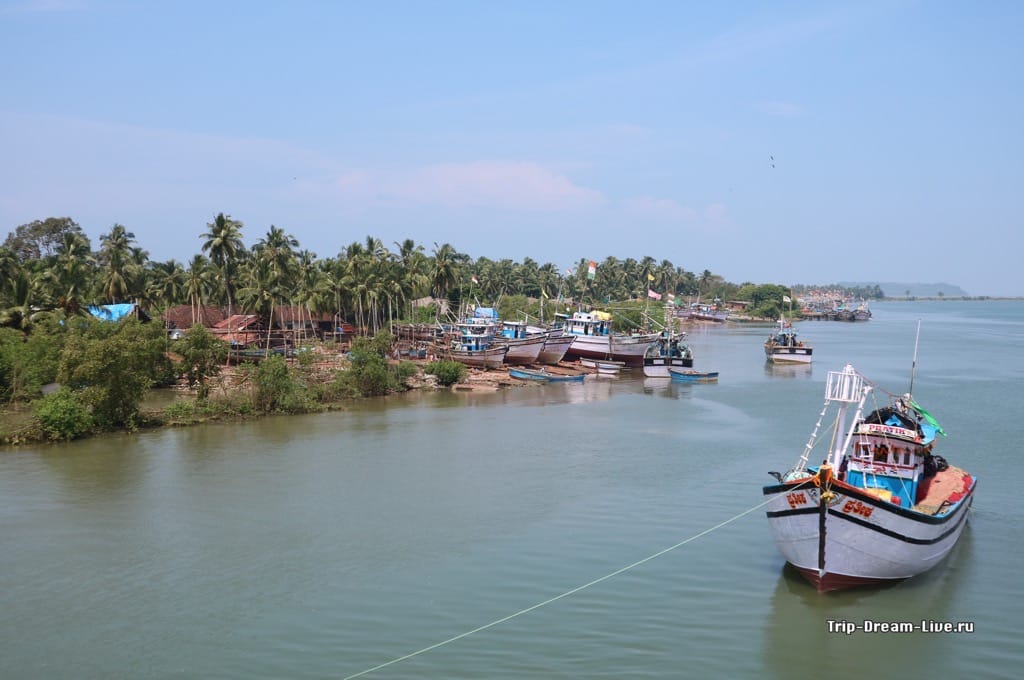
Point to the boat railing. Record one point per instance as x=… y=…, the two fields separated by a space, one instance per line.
x=844 y=386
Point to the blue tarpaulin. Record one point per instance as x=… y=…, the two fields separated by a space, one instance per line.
x=112 y=312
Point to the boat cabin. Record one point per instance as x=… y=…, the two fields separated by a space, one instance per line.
x=891 y=454
x=589 y=323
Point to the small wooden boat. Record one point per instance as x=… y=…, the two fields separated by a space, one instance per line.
x=544 y=375
x=689 y=375
x=528 y=374
x=603 y=366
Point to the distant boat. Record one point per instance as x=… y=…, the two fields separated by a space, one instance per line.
x=703 y=312
x=688 y=375
x=670 y=351
x=881 y=507
x=783 y=346
x=595 y=339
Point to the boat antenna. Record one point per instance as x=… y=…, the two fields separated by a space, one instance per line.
x=913 y=364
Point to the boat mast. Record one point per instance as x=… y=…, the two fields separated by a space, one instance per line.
x=846 y=387
x=913 y=364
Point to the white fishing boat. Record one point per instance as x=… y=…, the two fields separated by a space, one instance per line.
x=783 y=346
x=670 y=351
x=881 y=507
x=595 y=339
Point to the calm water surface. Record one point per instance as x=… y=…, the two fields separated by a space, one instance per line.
x=322 y=546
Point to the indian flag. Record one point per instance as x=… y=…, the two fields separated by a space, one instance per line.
x=592 y=270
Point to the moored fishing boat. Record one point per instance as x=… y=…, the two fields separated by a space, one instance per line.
x=670 y=351
x=881 y=507
x=783 y=346
x=595 y=339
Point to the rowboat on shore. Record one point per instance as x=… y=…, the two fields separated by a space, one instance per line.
x=544 y=375
x=604 y=366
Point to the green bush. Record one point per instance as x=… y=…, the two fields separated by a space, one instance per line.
x=274 y=386
x=63 y=415
x=447 y=372
x=406 y=370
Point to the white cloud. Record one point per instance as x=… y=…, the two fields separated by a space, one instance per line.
x=660 y=209
x=505 y=185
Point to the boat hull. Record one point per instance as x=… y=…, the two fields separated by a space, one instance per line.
x=627 y=348
x=554 y=349
x=788 y=355
x=528 y=374
x=480 y=358
x=522 y=351
x=658 y=367
x=859 y=539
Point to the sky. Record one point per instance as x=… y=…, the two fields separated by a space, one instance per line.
x=767 y=142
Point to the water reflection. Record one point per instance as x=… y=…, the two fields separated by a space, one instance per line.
x=798 y=625
x=775 y=370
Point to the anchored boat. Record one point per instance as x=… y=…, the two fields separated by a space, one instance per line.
x=881 y=506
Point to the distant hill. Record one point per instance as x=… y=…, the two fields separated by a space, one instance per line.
x=898 y=290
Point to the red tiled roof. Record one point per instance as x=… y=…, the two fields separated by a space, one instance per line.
x=181 y=316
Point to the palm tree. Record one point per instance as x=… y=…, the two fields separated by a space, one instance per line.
x=119 y=262
x=199 y=280
x=71 y=272
x=167 y=283
x=444 y=273
x=224 y=245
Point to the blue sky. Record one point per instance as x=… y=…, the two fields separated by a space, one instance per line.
x=771 y=142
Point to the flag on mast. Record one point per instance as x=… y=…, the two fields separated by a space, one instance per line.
x=652 y=294
x=592 y=270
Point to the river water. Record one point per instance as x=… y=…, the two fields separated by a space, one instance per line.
x=324 y=546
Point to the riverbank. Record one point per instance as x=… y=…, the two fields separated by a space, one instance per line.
x=231 y=396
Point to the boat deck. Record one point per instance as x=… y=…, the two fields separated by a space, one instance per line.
x=944 y=488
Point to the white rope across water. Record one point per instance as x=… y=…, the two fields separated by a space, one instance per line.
x=565 y=594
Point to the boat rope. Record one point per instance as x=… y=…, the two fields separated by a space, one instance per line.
x=574 y=590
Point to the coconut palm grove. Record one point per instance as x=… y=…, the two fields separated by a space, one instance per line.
x=67 y=374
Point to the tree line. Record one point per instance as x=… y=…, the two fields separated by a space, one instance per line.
x=49 y=267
